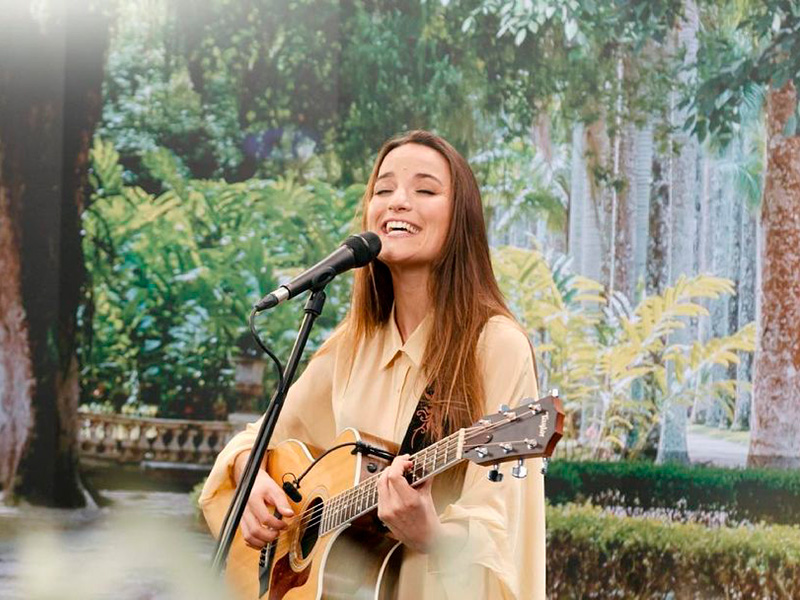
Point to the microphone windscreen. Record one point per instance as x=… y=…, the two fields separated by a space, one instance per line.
x=365 y=246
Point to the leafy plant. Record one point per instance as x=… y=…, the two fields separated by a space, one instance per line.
x=615 y=358
x=754 y=495
x=591 y=552
x=173 y=277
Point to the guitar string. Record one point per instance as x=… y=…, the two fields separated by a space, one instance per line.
x=342 y=502
x=281 y=546
x=366 y=487
x=365 y=490
x=347 y=499
x=351 y=499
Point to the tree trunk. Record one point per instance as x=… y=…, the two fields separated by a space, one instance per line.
x=657 y=273
x=746 y=313
x=626 y=234
x=51 y=75
x=593 y=244
x=16 y=377
x=775 y=438
x=683 y=228
x=722 y=249
x=641 y=190
x=577 y=197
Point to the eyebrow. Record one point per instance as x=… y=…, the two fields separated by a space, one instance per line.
x=416 y=176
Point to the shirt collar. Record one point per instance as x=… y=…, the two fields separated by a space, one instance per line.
x=414 y=347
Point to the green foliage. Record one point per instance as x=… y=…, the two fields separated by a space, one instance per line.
x=579 y=47
x=258 y=88
x=405 y=67
x=737 y=62
x=173 y=277
x=518 y=180
x=150 y=101
x=594 y=350
x=595 y=555
x=754 y=495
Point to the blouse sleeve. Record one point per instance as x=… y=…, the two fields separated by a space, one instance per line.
x=505 y=520
x=309 y=395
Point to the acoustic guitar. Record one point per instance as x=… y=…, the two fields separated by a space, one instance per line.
x=334 y=546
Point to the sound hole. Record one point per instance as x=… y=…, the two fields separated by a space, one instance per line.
x=311 y=532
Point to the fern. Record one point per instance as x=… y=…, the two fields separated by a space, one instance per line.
x=596 y=351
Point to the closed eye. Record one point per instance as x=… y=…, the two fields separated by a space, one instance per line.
x=383 y=192
x=427 y=192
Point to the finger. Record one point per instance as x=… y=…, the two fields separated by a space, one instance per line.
x=274 y=522
x=400 y=489
x=401 y=463
x=254 y=534
x=265 y=514
x=383 y=495
x=260 y=509
x=277 y=498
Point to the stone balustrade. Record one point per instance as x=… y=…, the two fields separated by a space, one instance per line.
x=135 y=440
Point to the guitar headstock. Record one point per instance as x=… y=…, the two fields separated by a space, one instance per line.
x=530 y=430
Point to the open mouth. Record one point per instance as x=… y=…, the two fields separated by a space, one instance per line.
x=400 y=228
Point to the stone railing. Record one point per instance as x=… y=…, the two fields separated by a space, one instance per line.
x=135 y=440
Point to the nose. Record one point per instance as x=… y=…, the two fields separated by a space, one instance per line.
x=399 y=201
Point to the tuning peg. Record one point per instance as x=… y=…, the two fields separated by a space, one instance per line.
x=504 y=408
x=519 y=470
x=494 y=473
x=482 y=452
x=545 y=464
x=554 y=392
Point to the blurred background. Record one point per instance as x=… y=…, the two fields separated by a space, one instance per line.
x=165 y=163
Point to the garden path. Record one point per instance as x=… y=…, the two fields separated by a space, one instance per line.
x=710 y=446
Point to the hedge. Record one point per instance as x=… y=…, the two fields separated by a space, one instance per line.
x=754 y=495
x=591 y=554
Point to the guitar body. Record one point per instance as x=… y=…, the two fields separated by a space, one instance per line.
x=341 y=552
x=356 y=561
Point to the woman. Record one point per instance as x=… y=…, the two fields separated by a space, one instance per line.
x=428 y=337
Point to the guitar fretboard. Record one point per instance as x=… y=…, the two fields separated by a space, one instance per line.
x=363 y=498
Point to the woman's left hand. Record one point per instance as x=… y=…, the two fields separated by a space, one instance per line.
x=408 y=512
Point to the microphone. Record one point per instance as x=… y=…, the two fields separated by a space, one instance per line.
x=356 y=251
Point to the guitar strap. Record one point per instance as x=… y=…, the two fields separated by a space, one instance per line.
x=417 y=434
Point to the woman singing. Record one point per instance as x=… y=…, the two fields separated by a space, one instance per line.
x=428 y=347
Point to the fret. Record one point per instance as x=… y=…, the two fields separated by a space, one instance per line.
x=348 y=505
x=358 y=500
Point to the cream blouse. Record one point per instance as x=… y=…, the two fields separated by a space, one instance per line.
x=377 y=393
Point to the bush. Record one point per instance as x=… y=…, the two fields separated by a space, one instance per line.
x=172 y=279
x=595 y=555
x=755 y=495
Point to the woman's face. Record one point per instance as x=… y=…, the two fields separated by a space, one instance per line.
x=411 y=206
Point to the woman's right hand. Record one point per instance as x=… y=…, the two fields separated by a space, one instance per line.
x=259 y=524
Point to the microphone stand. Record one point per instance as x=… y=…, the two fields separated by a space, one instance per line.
x=312 y=310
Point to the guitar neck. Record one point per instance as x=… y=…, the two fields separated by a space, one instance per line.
x=363 y=498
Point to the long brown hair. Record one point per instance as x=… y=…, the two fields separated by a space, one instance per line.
x=464 y=291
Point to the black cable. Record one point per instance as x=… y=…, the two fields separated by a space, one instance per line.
x=275 y=359
x=359 y=447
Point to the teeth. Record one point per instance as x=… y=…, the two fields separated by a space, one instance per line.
x=395 y=225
